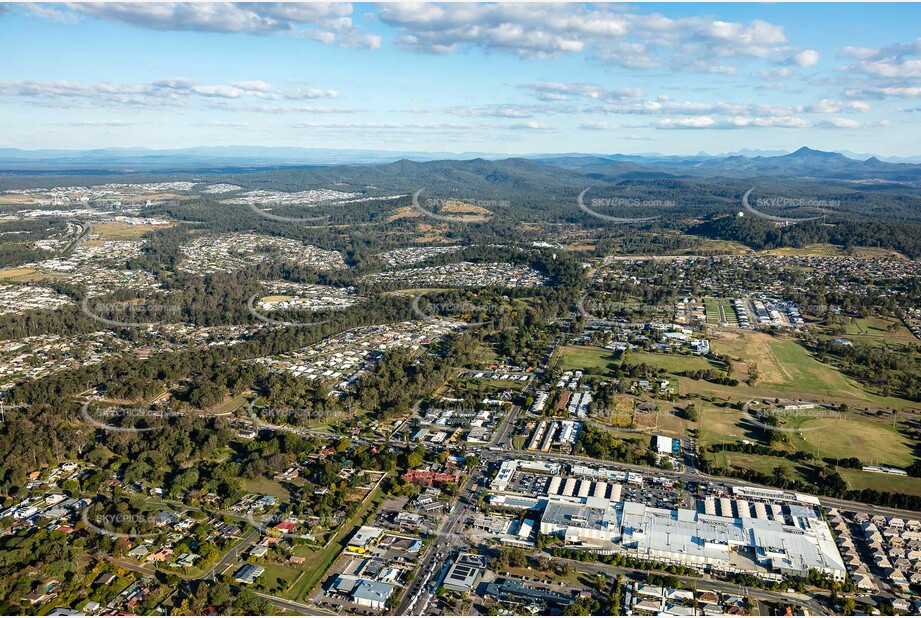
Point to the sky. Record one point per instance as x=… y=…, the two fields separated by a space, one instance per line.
x=495 y=78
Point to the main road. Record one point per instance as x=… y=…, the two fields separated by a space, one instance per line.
x=697 y=477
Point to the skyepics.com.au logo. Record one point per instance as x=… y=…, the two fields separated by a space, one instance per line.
x=293 y=420
x=265 y=210
x=787 y=203
x=124 y=525
x=278 y=527
x=254 y=309
x=770 y=419
x=473 y=314
x=130 y=314
x=603 y=203
x=124 y=420
x=457 y=210
x=602 y=310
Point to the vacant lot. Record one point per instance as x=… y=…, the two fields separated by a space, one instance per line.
x=600 y=362
x=787 y=370
x=595 y=361
x=115 y=230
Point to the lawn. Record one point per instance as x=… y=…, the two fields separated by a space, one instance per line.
x=712 y=307
x=268 y=487
x=277 y=573
x=723 y=425
x=732 y=317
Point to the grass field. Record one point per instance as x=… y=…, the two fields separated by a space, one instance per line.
x=787 y=370
x=279 y=575
x=23 y=275
x=115 y=230
x=268 y=487
x=764 y=464
x=673 y=363
x=858 y=479
x=869 y=440
x=878 y=328
x=597 y=361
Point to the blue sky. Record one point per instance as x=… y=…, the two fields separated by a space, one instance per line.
x=511 y=78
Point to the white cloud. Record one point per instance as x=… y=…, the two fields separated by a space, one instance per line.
x=496 y=111
x=565 y=91
x=530 y=126
x=891 y=71
x=805 y=58
x=51 y=14
x=327 y=22
x=843 y=123
x=827 y=106
x=159 y=93
x=613 y=34
x=699 y=122
x=601 y=126
x=857 y=53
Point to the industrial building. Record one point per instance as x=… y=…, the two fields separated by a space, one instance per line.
x=364 y=592
x=699 y=540
x=248 y=573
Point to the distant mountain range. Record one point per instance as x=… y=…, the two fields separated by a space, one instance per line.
x=805 y=163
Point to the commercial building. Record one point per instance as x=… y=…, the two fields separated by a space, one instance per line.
x=363 y=539
x=698 y=540
x=363 y=592
x=465 y=573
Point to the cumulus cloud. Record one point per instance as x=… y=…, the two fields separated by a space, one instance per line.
x=805 y=58
x=700 y=122
x=891 y=71
x=827 y=106
x=613 y=35
x=328 y=22
x=49 y=13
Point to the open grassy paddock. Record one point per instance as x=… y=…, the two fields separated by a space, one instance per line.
x=600 y=362
x=870 y=440
x=789 y=371
x=858 y=479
